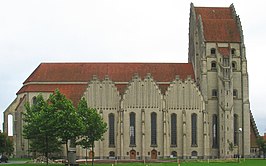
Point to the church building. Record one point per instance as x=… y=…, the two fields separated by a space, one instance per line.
x=160 y=110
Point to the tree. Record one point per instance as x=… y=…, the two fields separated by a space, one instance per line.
x=39 y=128
x=262 y=146
x=6 y=144
x=68 y=124
x=93 y=126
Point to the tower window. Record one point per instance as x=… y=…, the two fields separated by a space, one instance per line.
x=213 y=65
x=214 y=93
x=213 y=51
x=235 y=93
x=226 y=62
x=194 y=129
x=111 y=130
x=233 y=51
x=234 y=66
x=153 y=129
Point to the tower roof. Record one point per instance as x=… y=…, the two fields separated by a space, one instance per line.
x=219 y=24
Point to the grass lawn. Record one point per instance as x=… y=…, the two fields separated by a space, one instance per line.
x=248 y=162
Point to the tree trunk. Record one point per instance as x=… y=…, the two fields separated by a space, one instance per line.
x=67 y=152
x=86 y=156
x=92 y=161
x=46 y=149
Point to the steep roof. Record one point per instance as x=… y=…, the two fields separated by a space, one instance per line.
x=218 y=24
x=118 y=72
x=72 y=78
x=71 y=91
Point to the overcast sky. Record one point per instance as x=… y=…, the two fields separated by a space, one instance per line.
x=35 y=31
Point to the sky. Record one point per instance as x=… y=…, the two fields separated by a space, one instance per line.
x=36 y=31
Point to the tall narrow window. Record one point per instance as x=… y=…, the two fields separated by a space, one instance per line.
x=226 y=62
x=173 y=130
x=236 y=129
x=235 y=93
x=214 y=131
x=34 y=100
x=213 y=51
x=111 y=130
x=194 y=129
x=10 y=127
x=153 y=129
x=132 y=129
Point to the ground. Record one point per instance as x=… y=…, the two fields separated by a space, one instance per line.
x=247 y=162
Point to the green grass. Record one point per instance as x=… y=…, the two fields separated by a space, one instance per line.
x=248 y=162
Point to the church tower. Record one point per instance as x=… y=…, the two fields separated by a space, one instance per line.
x=217 y=52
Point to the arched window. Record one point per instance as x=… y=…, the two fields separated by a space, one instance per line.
x=214 y=131
x=233 y=51
x=213 y=51
x=132 y=129
x=111 y=130
x=194 y=153
x=194 y=129
x=34 y=100
x=213 y=66
x=10 y=127
x=236 y=127
x=173 y=130
x=234 y=65
x=153 y=129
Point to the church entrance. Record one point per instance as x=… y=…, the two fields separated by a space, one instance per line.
x=153 y=154
x=132 y=154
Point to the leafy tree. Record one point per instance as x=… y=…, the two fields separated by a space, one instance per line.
x=93 y=126
x=262 y=146
x=39 y=128
x=68 y=124
x=6 y=144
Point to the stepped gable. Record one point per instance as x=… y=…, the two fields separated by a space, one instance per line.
x=72 y=78
x=218 y=24
x=254 y=133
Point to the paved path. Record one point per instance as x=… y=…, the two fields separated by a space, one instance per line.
x=13 y=162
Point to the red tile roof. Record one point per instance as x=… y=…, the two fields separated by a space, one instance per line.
x=74 y=92
x=225 y=51
x=76 y=75
x=214 y=12
x=118 y=72
x=218 y=24
x=221 y=31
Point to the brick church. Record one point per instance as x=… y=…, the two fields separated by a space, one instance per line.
x=161 y=110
